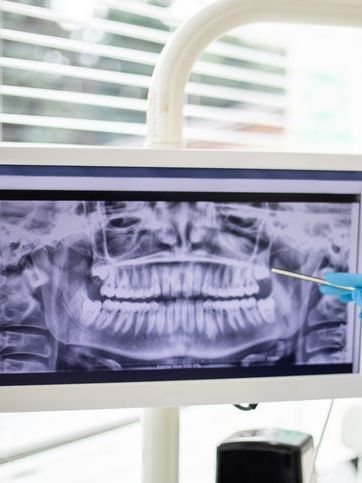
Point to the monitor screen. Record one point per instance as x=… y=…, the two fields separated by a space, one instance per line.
x=150 y=274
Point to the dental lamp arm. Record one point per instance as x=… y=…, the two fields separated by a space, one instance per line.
x=166 y=94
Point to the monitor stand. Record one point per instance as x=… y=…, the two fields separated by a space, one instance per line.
x=160 y=456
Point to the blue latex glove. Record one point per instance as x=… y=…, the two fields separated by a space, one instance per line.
x=348 y=279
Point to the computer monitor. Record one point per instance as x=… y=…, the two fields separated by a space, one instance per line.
x=142 y=278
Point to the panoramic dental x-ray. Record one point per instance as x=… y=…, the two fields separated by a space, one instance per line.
x=125 y=285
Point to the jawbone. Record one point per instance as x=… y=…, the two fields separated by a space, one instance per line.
x=167 y=309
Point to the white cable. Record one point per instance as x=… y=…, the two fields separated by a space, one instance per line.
x=316 y=453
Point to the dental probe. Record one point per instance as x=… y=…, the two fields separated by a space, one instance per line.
x=309 y=278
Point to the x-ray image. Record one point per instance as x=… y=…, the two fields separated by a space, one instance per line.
x=115 y=285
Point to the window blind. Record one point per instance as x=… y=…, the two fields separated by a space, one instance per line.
x=82 y=77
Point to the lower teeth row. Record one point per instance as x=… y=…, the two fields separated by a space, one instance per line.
x=209 y=317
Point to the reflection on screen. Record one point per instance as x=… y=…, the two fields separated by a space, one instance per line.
x=152 y=285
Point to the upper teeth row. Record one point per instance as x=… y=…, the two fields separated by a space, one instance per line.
x=179 y=281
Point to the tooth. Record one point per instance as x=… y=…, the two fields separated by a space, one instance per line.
x=187 y=280
x=197 y=279
x=141 y=282
x=170 y=317
x=244 y=303
x=176 y=282
x=100 y=271
x=121 y=316
x=214 y=278
x=218 y=276
x=206 y=282
x=232 y=316
x=123 y=280
x=251 y=288
x=147 y=322
x=237 y=276
x=124 y=284
x=118 y=322
x=130 y=277
x=177 y=315
x=252 y=312
x=219 y=319
x=133 y=279
x=146 y=293
x=191 y=313
x=251 y=302
x=256 y=316
x=131 y=309
x=261 y=271
x=200 y=316
x=240 y=317
x=127 y=322
x=216 y=304
x=103 y=318
x=227 y=278
x=155 y=282
x=168 y=273
x=115 y=281
x=245 y=285
x=187 y=322
x=246 y=307
x=145 y=277
x=221 y=292
x=161 y=318
x=165 y=281
x=211 y=329
x=119 y=293
x=139 y=319
x=108 y=305
x=237 y=286
x=110 y=309
x=191 y=281
x=90 y=311
x=162 y=279
x=267 y=309
x=182 y=280
x=110 y=283
x=151 y=317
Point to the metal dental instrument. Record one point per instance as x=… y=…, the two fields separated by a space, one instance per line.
x=309 y=278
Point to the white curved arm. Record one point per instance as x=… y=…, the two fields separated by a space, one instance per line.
x=166 y=94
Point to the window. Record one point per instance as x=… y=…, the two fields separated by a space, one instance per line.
x=78 y=73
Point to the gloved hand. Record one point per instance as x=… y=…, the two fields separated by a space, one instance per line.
x=346 y=279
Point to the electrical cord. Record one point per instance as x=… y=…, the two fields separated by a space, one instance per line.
x=248 y=407
x=310 y=479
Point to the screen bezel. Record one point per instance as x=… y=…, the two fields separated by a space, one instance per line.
x=175 y=393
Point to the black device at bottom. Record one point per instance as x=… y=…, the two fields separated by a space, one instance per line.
x=265 y=456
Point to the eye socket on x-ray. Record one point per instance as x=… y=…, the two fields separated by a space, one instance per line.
x=173 y=284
